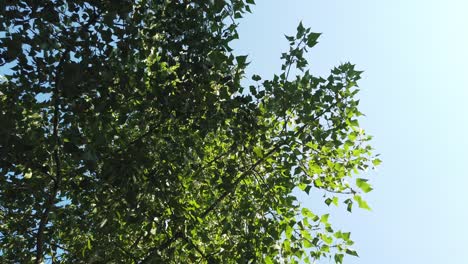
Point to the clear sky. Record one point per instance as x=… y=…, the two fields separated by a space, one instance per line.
x=415 y=97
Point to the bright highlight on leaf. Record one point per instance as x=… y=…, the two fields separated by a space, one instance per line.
x=258 y=151
x=28 y=174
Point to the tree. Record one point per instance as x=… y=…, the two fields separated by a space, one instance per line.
x=127 y=137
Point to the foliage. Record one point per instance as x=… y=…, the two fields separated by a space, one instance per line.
x=127 y=137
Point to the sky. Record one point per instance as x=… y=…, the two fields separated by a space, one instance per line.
x=414 y=94
x=415 y=97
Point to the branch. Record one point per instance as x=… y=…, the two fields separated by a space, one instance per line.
x=58 y=177
x=56 y=157
x=266 y=155
x=166 y=244
x=126 y=252
x=195 y=246
x=292 y=62
x=163 y=246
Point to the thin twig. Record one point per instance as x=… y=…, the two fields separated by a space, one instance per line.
x=48 y=205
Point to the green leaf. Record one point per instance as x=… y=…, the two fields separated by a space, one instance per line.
x=348 y=144
x=307 y=213
x=300 y=30
x=352 y=136
x=307 y=243
x=217 y=57
x=338 y=234
x=256 y=77
x=258 y=151
x=376 y=162
x=28 y=174
x=312 y=39
x=289 y=231
x=339 y=258
x=363 y=185
x=318 y=182
x=324 y=218
x=349 y=206
x=362 y=204
x=335 y=201
x=352 y=252
x=346 y=236
x=326 y=239
x=354 y=123
x=289 y=38
x=241 y=60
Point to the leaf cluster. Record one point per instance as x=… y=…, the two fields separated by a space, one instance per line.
x=127 y=136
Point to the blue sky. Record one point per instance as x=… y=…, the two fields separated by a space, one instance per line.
x=415 y=97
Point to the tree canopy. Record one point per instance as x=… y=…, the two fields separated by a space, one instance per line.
x=128 y=135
